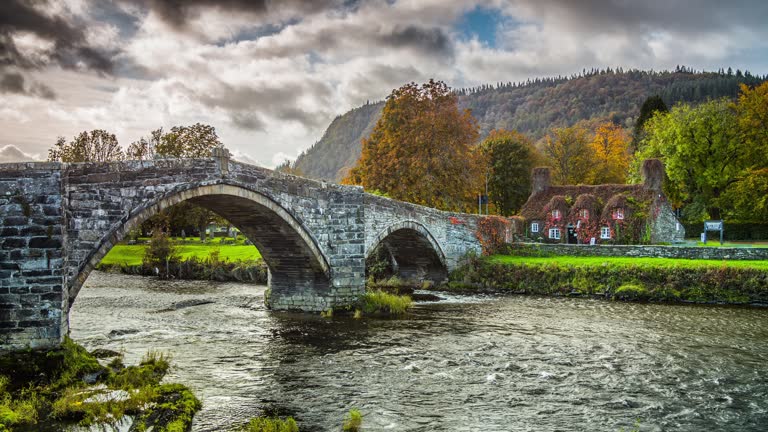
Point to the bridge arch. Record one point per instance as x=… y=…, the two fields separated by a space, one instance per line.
x=296 y=262
x=413 y=249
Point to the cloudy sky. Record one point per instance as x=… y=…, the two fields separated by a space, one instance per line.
x=271 y=75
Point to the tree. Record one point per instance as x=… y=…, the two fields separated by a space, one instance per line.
x=651 y=106
x=420 y=149
x=701 y=152
x=194 y=141
x=747 y=199
x=752 y=110
x=610 y=150
x=97 y=145
x=568 y=152
x=509 y=157
x=144 y=148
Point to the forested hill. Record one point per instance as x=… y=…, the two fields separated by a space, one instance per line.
x=533 y=107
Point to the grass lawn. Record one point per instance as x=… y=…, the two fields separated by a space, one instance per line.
x=132 y=255
x=716 y=243
x=625 y=261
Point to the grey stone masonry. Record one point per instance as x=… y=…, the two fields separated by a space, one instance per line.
x=57 y=221
x=652 y=251
x=32 y=293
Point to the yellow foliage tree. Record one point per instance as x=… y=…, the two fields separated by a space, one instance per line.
x=610 y=153
x=420 y=150
x=569 y=153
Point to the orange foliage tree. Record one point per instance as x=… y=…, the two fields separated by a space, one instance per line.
x=420 y=150
x=610 y=154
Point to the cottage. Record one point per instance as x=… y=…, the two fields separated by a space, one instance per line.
x=609 y=213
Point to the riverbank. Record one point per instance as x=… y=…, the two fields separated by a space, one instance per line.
x=68 y=386
x=221 y=260
x=638 y=279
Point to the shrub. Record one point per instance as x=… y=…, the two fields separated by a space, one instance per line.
x=353 y=421
x=631 y=291
x=492 y=233
x=160 y=253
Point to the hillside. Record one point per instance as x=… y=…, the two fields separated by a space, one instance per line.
x=533 y=107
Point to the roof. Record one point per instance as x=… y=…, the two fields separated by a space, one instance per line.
x=598 y=195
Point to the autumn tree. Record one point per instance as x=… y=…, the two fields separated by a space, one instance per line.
x=144 y=147
x=508 y=158
x=569 y=153
x=701 y=151
x=97 y=145
x=420 y=150
x=610 y=151
x=752 y=111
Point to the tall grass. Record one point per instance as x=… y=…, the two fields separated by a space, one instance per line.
x=379 y=302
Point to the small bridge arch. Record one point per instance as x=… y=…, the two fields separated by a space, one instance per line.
x=287 y=247
x=413 y=250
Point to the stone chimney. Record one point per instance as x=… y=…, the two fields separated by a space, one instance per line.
x=653 y=174
x=540 y=180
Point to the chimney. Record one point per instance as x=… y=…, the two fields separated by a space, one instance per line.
x=540 y=180
x=653 y=174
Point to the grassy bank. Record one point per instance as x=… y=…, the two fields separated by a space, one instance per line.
x=132 y=255
x=68 y=386
x=652 y=279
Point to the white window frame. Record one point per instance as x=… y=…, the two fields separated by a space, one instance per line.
x=535 y=227
x=618 y=213
x=605 y=233
x=556 y=214
x=554 y=233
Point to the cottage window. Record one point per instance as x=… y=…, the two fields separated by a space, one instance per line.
x=584 y=214
x=556 y=214
x=605 y=233
x=535 y=227
x=618 y=213
x=554 y=233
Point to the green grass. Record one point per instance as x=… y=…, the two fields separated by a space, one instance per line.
x=625 y=261
x=379 y=302
x=132 y=255
x=716 y=243
x=353 y=421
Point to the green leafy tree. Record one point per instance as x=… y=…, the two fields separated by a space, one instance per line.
x=194 y=141
x=97 y=145
x=420 y=150
x=701 y=151
x=509 y=157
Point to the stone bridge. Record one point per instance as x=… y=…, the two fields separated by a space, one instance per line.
x=57 y=221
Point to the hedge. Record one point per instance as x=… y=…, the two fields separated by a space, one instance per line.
x=714 y=284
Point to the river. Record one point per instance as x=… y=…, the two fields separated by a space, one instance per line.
x=468 y=363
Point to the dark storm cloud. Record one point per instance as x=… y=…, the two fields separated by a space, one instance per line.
x=692 y=16
x=14 y=83
x=428 y=40
x=70 y=46
x=177 y=13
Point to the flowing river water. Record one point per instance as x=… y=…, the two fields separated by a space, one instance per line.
x=467 y=363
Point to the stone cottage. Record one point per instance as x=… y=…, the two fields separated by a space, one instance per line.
x=608 y=213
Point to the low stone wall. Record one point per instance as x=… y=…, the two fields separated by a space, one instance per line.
x=647 y=251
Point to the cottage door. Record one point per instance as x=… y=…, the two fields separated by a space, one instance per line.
x=572 y=235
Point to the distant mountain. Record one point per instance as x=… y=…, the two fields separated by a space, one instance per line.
x=535 y=106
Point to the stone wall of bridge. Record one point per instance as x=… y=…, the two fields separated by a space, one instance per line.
x=452 y=234
x=32 y=293
x=57 y=221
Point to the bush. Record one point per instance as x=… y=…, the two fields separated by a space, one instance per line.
x=160 y=253
x=631 y=291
